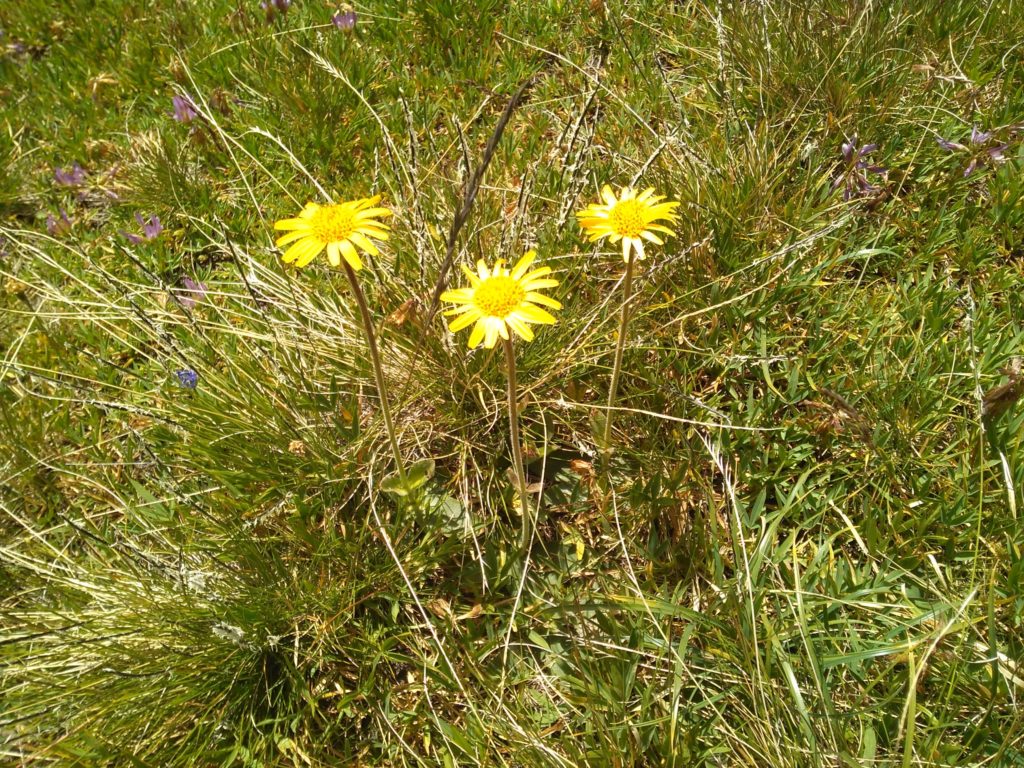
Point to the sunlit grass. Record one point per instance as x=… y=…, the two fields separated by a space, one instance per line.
x=805 y=550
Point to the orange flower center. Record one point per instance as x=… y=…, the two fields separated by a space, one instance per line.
x=627 y=218
x=333 y=223
x=499 y=296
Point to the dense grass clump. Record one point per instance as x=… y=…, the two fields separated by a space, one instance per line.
x=805 y=548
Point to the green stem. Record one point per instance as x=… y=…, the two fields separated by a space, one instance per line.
x=620 y=346
x=517 y=450
x=378 y=371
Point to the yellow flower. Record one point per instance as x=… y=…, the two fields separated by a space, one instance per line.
x=629 y=217
x=340 y=228
x=502 y=298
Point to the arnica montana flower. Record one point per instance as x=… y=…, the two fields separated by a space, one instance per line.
x=502 y=298
x=630 y=217
x=341 y=228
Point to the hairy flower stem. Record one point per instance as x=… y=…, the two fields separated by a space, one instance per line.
x=517 y=449
x=620 y=346
x=378 y=371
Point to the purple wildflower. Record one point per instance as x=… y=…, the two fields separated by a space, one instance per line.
x=272 y=7
x=344 y=20
x=187 y=378
x=996 y=153
x=58 y=227
x=151 y=227
x=982 y=154
x=72 y=177
x=854 y=178
x=184 y=109
x=950 y=146
x=979 y=137
x=194 y=292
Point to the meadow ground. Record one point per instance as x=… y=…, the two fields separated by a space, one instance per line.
x=806 y=549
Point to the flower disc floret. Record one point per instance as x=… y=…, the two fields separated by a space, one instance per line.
x=499 y=296
x=629 y=217
x=343 y=229
x=500 y=299
x=333 y=223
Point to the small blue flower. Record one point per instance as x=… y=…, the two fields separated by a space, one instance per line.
x=187 y=378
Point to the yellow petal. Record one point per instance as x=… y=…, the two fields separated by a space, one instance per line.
x=523 y=264
x=350 y=254
x=458 y=295
x=478 y=333
x=534 y=285
x=464 y=321
x=296 y=250
x=291 y=224
x=521 y=328
x=376 y=234
x=314 y=250
x=490 y=332
x=540 y=298
x=662 y=211
x=289 y=237
x=608 y=195
x=458 y=310
x=333 y=254
x=534 y=315
x=539 y=272
x=363 y=242
x=660 y=228
x=372 y=213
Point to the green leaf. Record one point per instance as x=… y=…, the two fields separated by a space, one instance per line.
x=415 y=477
